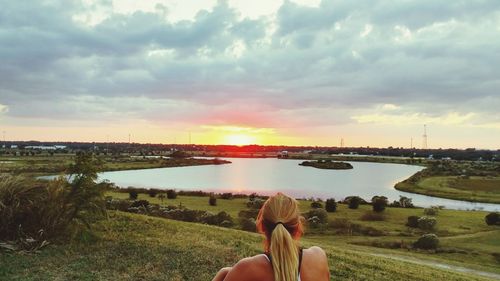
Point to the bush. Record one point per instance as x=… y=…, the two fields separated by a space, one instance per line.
x=370 y=216
x=331 y=205
x=427 y=223
x=140 y=203
x=161 y=196
x=354 y=202
x=152 y=193
x=227 y=195
x=316 y=205
x=248 y=224
x=492 y=219
x=321 y=215
x=412 y=221
x=379 y=203
x=171 y=194
x=433 y=211
x=256 y=203
x=31 y=212
x=249 y=214
x=133 y=194
x=427 y=242
x=340 y=224
x=212 y=200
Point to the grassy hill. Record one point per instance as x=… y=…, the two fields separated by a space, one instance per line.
x=136 y=247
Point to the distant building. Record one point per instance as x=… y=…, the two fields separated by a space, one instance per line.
x=283 y=154
x=45 y=147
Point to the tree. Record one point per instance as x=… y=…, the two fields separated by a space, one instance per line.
x=379 y=203
x=354 y=202
x=331 y=205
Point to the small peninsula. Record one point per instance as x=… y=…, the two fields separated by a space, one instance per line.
x=327 y=164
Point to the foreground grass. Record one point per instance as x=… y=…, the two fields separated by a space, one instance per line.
x=454 y=228
x=135 y=247
x=474 y=189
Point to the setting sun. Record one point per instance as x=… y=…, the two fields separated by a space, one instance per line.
x=239 y=139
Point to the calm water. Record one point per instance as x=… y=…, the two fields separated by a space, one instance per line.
x=267 y=176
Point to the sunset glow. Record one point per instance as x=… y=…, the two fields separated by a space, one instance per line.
x=239 y=139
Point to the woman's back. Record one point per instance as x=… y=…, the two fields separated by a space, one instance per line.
x=314 y=267
x=280 y=222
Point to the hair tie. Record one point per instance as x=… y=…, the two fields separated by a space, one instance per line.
x=280 y=223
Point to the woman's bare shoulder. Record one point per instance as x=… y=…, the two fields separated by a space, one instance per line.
x=315 y=250
x=251 y=268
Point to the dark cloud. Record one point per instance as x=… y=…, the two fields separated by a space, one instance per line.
x=353 y=55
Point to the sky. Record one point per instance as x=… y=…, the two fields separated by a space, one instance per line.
x=304 y=72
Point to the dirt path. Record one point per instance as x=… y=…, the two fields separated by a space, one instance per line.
x=435 y=264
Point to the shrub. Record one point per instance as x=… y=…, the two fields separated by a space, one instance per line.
x=249 y=214
x=370 y=216
x=331 y=205
x=171 y=194
x=152 y=193
x=412 y=221
x=492 y=219
x=354 y=202
x=433 y=211
x=133 y=194
x=496 y=256
x=31 y=212
x=161 y=196
x=316 y=205
x=226 y=195
x=116 y=204
x=212 y=200
x=427 y=223
x=379 y=203
x=340 y=224
x=257 y=203
x=321 y=214
x=427 y=242
x=248 y=224
x=140 y=203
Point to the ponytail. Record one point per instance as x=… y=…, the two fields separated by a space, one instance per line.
x=284 y=253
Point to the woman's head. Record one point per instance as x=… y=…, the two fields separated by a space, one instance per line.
x=280 y=209
x=280 y=221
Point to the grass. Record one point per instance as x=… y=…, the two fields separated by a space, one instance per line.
x=135 y=247
x=45 y=164
x=451 y=224
x=475 y=189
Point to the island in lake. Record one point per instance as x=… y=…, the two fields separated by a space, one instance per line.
x=327 y=164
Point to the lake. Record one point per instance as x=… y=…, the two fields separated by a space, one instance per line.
x=270 y=175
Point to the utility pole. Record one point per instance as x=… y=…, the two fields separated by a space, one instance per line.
x=424 y=138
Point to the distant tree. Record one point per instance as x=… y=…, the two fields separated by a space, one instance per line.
x=133 y=194
x=354 y=202
x=331 y=205
x=405 y=202
x=179 y=154
x=152 y=192
x=492 y=219
x=161 y=196
x=316 y=205
x=171 y=194
x=379 y=203
x=212 y=200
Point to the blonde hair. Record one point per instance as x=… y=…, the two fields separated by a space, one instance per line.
x=280 y=221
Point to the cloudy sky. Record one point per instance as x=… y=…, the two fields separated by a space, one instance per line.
x=302 y=72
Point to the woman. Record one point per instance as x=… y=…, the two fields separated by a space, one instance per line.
x=280 y=221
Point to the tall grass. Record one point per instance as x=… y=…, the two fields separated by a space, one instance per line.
x=35 y=211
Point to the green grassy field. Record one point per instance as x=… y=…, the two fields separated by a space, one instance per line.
x=58 y=163
x=453 y=227
x=476 y=189
x=136 y=247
